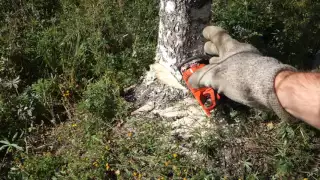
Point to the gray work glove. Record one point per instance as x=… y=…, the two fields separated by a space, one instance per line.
x=240 y=72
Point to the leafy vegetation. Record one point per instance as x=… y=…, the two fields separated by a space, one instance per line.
x=63 y=68
x=55 y=54
x=282 y=29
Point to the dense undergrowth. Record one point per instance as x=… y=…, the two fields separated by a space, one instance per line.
x=65 y=65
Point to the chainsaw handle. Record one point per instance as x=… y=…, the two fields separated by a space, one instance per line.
x=207 y=98
x=209 y=93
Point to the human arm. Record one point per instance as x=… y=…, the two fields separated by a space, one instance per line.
x=240 y=72
x=243 y=74
x=299 y=94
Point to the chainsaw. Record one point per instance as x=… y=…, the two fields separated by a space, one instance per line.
x=207 y=97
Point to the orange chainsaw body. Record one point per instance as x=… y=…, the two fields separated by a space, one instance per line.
x=207 y=97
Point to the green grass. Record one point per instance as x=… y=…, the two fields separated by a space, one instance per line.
x=140 y=148
x=64 y=65
x=145 y=148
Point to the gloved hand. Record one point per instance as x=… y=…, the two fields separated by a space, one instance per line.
x=240 y=72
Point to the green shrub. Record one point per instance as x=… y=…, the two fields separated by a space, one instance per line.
x=282 y=29
x=102 y=98
x=50 y=50
x=50 y=47
x=42 y=167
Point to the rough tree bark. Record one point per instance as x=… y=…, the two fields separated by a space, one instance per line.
x=180 y=36
x=180 y=25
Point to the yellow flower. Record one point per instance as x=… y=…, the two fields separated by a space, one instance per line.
x=95 y=164
x=305 y=178
x=270 y=125
x=167 y=163
x=74 y=125
x=66 y=93
x=135 y=174
x=139 y=176
x=107 y=167
x=129 y=134
x=184 y=178
x=175 y=155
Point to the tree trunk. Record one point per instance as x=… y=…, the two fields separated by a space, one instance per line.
x=180 y=27
x=161 y=92
x=180 y=36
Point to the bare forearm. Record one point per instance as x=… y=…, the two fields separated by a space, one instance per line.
x=299 y=94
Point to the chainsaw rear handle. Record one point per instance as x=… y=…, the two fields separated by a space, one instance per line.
x=207 y=97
